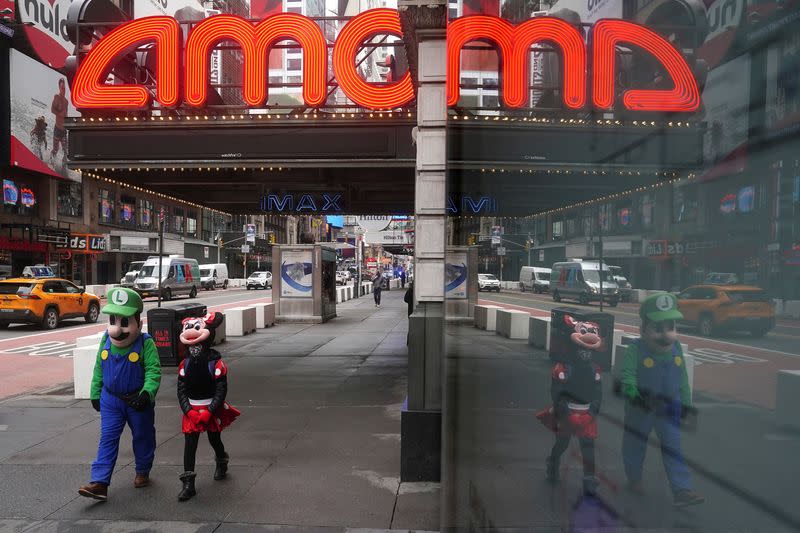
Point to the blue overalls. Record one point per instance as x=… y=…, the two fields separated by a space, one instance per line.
x=123 y=374
x=662 y=378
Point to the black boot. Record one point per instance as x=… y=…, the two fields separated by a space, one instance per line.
x=590 y=485
x=222 y=467
x=188 y=486
x=552 y=470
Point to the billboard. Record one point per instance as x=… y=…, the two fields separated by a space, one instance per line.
x=40 y=101
x=726 y=98
x=297 y=274
x=45 y=27
x=180 y=9
x=456 y=275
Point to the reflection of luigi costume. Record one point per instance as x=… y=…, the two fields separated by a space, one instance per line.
x=657 y=389
x=125 y=382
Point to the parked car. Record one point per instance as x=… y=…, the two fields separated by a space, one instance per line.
x=721 y=278
x=580 y=280
x=259 y=280
x=179 y=275
x=133 y=272
x=714 y=308
x=535 y=279
x=45 y=301
x=214 y=275
x=488 y=282
x=341 y=277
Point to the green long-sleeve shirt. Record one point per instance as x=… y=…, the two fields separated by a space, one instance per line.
x=630 y=365
x=148 y=358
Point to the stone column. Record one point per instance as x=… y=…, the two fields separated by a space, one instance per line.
x=422 y=415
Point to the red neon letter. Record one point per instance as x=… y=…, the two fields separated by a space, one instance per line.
x=89 y=90
x=359 y=29
x=606 y=34
x=514 y=44
x=256 y=42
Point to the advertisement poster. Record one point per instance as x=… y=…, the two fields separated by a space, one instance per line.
x=726 y=98
x=40 y=101
x=45 y=27
x=456 y=274
x=296 y=274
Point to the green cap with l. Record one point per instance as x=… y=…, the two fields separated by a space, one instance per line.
x=123 y=302
x=659 y=307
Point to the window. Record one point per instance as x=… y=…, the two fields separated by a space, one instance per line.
x=106 y=206
x=558 y=229
x=127 y=211
x=177 y=219
x=207 y=226
x=145 y=214
x=646 y=210
x=572 y=227
x=191 y=224
x=70 y=198
x=293 y=64
x=18 y=198
x=491 y=100
x=275 y=80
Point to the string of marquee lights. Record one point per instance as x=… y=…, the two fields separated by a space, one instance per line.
x=577 y=122
x=254 y=117
x=148 y=191
x=587 y=203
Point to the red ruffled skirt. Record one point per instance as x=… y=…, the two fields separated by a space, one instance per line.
x=223 y=418
x=579 y=423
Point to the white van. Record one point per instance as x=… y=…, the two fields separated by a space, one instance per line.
x=214 y=275
x=580 y=280
x=179 y=275
x=536 y=279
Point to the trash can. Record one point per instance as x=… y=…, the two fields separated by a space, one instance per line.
x=164 y=325
x=573 y=330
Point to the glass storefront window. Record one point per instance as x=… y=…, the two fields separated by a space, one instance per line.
x=105 y=206
x=191 y=224
x=127 y=211
x=145 y=214
x=177 y=220
x=70 y=198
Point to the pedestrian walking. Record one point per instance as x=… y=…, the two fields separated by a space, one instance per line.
x=202 y=391
x=403 y=278
x=576 y=391
x=127 y=374
x=656 y=388
x=377 y=287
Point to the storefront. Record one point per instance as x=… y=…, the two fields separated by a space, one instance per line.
x=78 y=258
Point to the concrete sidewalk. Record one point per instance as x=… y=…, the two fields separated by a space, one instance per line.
x=494 y=466
x=317 y=446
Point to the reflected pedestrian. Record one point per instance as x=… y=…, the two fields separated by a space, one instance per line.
x=656 y=388
x=403 y=278
x=377 y=287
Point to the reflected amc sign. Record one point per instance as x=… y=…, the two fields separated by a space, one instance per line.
x=182 y=69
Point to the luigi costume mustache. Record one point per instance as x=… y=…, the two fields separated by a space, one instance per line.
x=127 y=374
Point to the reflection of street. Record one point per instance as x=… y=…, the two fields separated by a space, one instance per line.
x=735 y=366
x=32 y=359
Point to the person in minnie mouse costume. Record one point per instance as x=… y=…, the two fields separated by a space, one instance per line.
x=202 y=388
x=576 y=392
x=127 y=374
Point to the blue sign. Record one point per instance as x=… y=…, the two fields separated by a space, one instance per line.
x=304 y=203
x=470 y=205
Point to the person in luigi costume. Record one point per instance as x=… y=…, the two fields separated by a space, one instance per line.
x=656 y=388
x=127 y=374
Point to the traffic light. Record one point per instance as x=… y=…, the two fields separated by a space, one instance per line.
x=272 y=238
x=471 y=240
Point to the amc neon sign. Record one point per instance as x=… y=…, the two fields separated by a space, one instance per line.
x=188 y=62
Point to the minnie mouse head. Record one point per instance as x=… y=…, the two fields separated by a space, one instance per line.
x=199 y=331
x=585 y=334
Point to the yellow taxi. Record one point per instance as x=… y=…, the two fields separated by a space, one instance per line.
x=713 y=308
x=45 y=302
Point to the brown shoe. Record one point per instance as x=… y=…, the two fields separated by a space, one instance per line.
x=97 y=491
x=141 y=480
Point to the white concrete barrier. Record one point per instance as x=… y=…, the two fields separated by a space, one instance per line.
x=220 y=334
x=512 y=324
x=269 y=315
x=240 y=321
x=97 y=290
x=539 y=332
x=777 y=304
x=787 y=398
x=349 y=291
x=83 y=359
x=486 y=317
x=339 y=295
x=261 y=315
x=791 y=308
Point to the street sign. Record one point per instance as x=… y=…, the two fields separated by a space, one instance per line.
x=250 y=233
x=501 y=250
x=497 y=232
x=245 y=248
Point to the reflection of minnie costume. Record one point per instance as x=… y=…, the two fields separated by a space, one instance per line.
x=576 y=391
x=202 y=388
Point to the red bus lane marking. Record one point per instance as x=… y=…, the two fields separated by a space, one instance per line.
x=746 y=375
x=30 y=366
